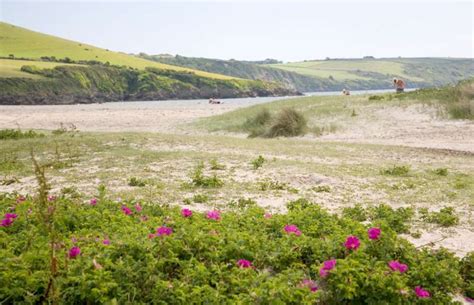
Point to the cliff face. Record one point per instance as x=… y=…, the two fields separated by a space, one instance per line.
x=102 y=83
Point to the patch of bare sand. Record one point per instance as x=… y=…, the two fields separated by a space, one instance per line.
x=109 y=117
x=415 y=126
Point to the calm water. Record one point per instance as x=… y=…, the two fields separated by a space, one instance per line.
x=242 y=102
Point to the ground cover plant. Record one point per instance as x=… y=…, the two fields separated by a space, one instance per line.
x=60 y=249
x=445 y=217
x=7 y=134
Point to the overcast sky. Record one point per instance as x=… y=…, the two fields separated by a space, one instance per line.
x=287 y=31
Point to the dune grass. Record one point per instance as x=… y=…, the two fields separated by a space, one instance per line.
x=330 y=109
x=23 y=43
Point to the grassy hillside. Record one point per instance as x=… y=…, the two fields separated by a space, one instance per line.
x=241 y=69
x=418 y=72
x=23 y=43
x=334 y=75
x=67 y=84
x=12 y=68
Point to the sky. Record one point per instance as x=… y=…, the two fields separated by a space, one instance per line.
x=255 y=30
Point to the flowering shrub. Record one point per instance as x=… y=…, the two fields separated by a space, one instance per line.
x=105 y=256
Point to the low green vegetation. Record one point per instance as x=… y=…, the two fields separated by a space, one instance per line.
x=467 y=273
x=200 y=180
x=322 y=189
x=101 y=251
x=442 y=171
x=396 y=170
x=398 y=219
x=200 y=198
x=15 y=134
x=215 y=165
x=258 y=162
x=134 y=181
x=446 y=217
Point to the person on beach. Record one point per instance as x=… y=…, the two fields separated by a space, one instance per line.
x=346 y=92
x=213 y=101
x=399 y=85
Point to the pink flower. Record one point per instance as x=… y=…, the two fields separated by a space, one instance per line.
x=20 y=199
x=243 y=263
x=106 y=242
x=214 y=214
x=421 y=293
x=138 y=208
x=469 y=300
x=267 y=215
x=144 y=218
x=126 y=210
x=397 y=266
x=186 y=213
x=74 y=252
x=150 y=236
x=292 y=229
x=161 y=231
x=6 y=222
x=352 y=243
x=51 y=198
x=374 y=233
x=311 y=285
x=93 y=201
x=8 y=219
x=327 y=266
x=74 y=240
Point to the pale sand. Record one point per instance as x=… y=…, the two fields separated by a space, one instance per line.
x=157 y=116
x=416 y=126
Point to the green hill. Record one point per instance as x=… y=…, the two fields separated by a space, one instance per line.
x=41 y=69
x=241 y=69
x=18 y=42
x=335 y=74
x=418 y=72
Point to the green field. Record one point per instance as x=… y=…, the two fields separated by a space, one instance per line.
x=341 y=69
x=418 y=70
x=12 y=68
x=23 y=43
